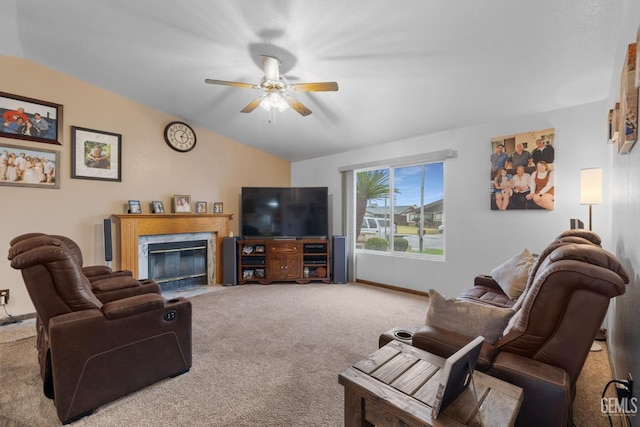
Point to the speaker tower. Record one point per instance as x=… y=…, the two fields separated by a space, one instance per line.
x=229 y=261
x=339 y=259
x=108 y=241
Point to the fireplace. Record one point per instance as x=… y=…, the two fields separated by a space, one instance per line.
x=134 y=229
x=178 y=261
x=178 y=265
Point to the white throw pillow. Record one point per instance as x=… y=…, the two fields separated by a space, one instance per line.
x=512 y=274
x=467 y=318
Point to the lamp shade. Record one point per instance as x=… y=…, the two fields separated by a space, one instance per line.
x=591 y=186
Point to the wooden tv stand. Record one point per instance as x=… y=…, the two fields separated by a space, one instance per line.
x=267 y=261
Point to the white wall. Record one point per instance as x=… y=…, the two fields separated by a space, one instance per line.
x=477 y=238
x=623 y=333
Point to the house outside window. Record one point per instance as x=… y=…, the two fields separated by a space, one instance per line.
x=400 y=210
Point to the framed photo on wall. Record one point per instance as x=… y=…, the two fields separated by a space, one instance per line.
x=96 y=154
x=181 y=203
x=628 y=125
x=29 y=167
x=32 y=119
x=523 y=171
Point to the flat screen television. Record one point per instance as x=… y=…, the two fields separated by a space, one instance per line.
x=284 y=212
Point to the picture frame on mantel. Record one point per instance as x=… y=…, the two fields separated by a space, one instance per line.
x=135 y=207
x=218 y=207
x=30 y=119
x=181 y=203
x=157 y=207
x=96 y=154
x=201 y=207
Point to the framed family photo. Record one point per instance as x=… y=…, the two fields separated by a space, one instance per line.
x=157 y=207
x=29 y=167
x=96 y=154
x=523 y=171
x=134 y=207
x=217 y=207
x=201 y=207
x=628 y=122
x=30 y=119
x=181 y=203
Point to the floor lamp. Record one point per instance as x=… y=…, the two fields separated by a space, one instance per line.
x=590 y=188
x=591 y=194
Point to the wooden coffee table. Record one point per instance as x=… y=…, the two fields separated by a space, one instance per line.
x=397 y=384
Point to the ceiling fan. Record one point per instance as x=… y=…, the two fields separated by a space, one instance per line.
x=276 y=90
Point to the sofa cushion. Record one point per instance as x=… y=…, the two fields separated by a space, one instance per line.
x=467 y=318
x=512 y=274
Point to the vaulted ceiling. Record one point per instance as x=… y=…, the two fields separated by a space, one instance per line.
x=404 y=68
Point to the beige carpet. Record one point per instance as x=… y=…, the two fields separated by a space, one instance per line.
x=262 y=356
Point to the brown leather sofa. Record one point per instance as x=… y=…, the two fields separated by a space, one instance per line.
x=487 y=291
x=94 y=352
x=547 y=341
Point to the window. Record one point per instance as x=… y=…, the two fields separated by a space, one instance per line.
x=400 y=210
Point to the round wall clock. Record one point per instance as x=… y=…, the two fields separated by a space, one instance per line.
x=180 y=136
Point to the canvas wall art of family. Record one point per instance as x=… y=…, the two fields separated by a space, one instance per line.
x=522 y=171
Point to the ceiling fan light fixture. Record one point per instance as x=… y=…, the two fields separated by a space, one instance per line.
x=276 y=90
x=274 y=101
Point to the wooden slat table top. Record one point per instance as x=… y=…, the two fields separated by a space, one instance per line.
x=402 y=380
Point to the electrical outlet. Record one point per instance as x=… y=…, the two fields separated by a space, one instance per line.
x=4 y=296
x=624 y=390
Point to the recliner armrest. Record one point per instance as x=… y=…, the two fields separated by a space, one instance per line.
x=547 y=400
x=119 y=309
x=96 y=270
x=100 y=272
x=488 y=282
x=444 y=343
x=113 y=283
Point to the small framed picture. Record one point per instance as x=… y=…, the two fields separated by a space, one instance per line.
x=181 y=203
x=201 y=207
x=134 y=207
x=259 y=249
x=157 y=206
x=217 y=207
x=259 y=272
x=247 y=274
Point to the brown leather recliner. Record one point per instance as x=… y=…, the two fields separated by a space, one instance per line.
x=107 y=285
x=548 y=339
x=96 y=352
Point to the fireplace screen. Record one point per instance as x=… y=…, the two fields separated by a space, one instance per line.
x=178 y=265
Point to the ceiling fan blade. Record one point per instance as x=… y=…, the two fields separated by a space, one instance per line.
x=297 y=105
x=253 y=104
x=236 y=84
x=271 y=67
x=314 y=87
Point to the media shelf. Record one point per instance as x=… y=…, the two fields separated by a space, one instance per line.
x=268 y=261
